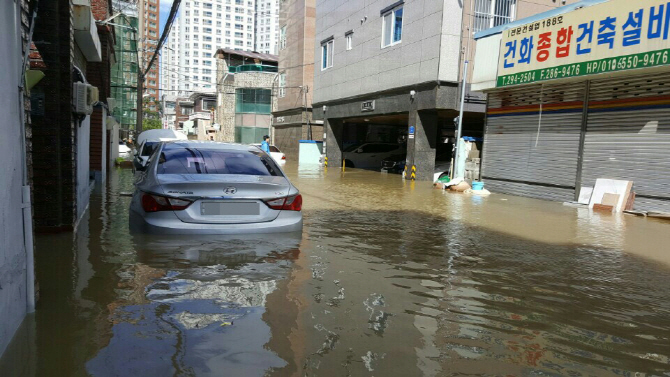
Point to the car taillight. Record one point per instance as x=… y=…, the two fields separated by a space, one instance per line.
x=283 y=157
x=291 y=203
x=155 y=203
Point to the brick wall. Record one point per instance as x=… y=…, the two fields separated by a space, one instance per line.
x=53 y=133
x=101 y=9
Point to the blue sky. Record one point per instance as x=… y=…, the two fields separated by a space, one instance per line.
x=165 y=6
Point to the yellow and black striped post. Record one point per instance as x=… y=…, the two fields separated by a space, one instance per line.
x=325 y=161
x=413 y=174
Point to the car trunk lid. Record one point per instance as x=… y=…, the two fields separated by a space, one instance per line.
x=225 y=199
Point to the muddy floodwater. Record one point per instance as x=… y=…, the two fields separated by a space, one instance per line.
x=388 y=278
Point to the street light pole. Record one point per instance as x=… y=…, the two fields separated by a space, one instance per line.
x=456 y=172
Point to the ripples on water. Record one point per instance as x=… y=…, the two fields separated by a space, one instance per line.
x=372 y=287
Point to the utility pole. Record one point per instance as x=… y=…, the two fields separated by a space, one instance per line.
x=140 y=100
x=141 y=74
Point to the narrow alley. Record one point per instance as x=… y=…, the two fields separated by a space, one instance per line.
x=389 y=277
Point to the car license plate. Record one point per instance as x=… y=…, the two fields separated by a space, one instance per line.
x=230 y=209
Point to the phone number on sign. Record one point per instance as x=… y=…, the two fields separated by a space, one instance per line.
x=642 y=60
x=542 y=74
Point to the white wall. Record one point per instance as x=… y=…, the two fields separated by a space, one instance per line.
x=83 y=169
x=12 y=252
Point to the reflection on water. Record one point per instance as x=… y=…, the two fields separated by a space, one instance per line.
x=388 y=278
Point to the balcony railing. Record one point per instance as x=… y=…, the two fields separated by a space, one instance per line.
x=252 y=68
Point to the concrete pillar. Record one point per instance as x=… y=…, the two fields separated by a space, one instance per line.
x=421 y=149
x=334 y=133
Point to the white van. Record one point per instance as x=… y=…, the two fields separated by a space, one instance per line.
x=147 y=141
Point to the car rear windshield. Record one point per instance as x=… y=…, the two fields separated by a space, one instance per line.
x=274 y=149
x=180 y=160
x=148 y=149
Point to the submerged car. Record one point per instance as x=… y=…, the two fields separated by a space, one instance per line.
x=148 y=140
x=397 y=162
x=275 y=153
x=370 y=155
x=191 y=187
x=124 y=151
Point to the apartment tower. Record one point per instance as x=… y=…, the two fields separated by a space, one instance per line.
x=149 y=34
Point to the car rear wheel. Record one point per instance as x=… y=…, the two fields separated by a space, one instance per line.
x=348 y=164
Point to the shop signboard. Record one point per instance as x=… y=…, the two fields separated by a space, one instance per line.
x=616 y=35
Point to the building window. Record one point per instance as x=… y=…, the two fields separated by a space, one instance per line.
x=253 y=100
x=392 y=27
x=327 y=55
x=492 y=13
x=282 y=85
x=208 y=104
x=282 y=38
x=349 y=40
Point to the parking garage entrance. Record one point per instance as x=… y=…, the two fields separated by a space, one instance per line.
x=382 y=142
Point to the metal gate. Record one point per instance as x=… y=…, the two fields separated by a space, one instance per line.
x=628 y=137
x=532 y=140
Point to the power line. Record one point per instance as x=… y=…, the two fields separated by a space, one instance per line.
x=166 y=31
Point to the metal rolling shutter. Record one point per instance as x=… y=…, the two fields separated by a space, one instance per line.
x=628 y=137
x=517 y=161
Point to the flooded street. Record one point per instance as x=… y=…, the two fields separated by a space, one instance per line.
x=388 y=278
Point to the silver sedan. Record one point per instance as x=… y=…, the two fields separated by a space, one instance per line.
x=190 y=187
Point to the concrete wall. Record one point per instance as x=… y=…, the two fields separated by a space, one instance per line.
x=429 y=50
x=12 y=253
x=83 y=170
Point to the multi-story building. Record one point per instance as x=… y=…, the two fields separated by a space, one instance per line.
x=199 y=124
x=292 y=119
x=267 y=26
x=184 y=108
x=244 y=95
x=391 y=72
x=205 y=26
x=169 y=114
x=170 y=71
x=149 y=11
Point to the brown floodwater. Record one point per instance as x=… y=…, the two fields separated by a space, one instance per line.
x=388 y=278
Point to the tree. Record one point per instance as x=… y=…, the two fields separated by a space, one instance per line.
x=151 y=119
x=151 y=124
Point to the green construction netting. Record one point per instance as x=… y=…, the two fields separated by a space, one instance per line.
x=124 y=72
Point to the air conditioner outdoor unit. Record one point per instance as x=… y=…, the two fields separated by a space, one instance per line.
x=83 y=97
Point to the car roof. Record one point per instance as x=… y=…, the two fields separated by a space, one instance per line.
x=211 y=145
x=160 y=135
